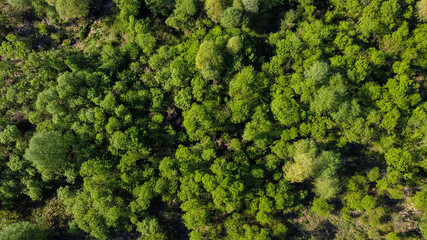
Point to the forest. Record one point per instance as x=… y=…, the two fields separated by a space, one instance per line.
x=213 y=119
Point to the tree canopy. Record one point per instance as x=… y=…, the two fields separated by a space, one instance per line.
x=213 y=119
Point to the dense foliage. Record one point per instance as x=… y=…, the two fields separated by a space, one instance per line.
x=213 y=119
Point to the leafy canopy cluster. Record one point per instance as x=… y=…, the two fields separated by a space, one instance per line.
x=213 y=119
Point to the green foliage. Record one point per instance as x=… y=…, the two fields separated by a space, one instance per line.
x=68 y=9
x=243 y=93
x=48 y=152
x=19 y=3
x=304 y=163
x=186 y=7
x=209 y=60
x=285 y=108
x=251 y=5
x=234 y=45
x=321 y=207
x=214 y=9
x=231 y=18
x=318 y=71
x=128 y=8
x=9 y=135
x=23 y=231
x=420 y=199
x=422 y=10
x=327 y=187
x=240 y=119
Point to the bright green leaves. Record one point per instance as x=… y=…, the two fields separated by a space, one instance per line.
x=327 y=99
x=186 y=7
x=96 y=209
x=9 y=135
x=285 y=108
x=20 y=4
x=398 y=159
x=420 y=199
x=260 y=130
x=244 y=94
x=389 y=12
x=128 y=8
x=150 y=229
x=198 y=122
x=321 y=207
x=390 y=120
x=357 y=194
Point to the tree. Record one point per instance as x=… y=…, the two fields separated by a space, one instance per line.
x=128 y=8
x=23 y=231
x=304 y=163
x=243 y=94
x=69 y=84
x=422 y=10
x=326 y=187
x=234 y=45
x=318 y=71
x=159 y=7
x=259 y=130
x=209 y=60
x=251 y=5
x=326 y=99
x=285 y=108
x=231 y=17
x=20 y=4
x=198 y=121
x=214 y=9
x=48 y=152
x=68 y=9
x=185 y=7
x=321 y=207
x=420 y=199
x=150 y=229
x=9 y=134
